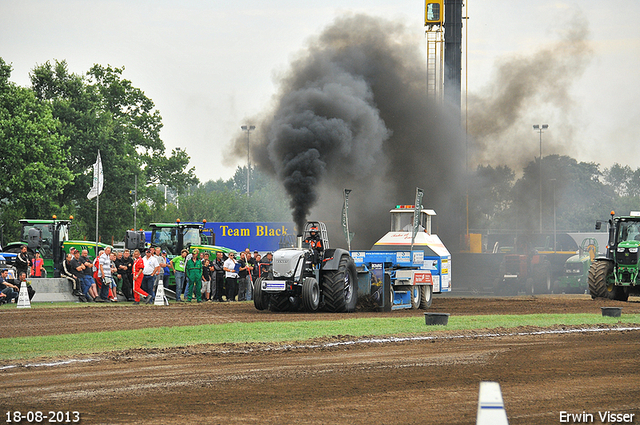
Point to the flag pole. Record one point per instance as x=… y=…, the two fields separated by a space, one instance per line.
x=97 y=208
x=416 y=217
x=345 y=217
x=95 y=191
x=346 y=213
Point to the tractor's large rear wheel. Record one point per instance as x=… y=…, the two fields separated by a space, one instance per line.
x=340 y=288
x=598 y=272
x=310 y=294
x=284 y=302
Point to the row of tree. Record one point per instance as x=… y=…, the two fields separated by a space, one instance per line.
x=577 y=193
x=50 y=134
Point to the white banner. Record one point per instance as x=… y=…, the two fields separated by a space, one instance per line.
x=98 y=179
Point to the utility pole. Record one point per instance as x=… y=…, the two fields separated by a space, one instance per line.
x=539 y=128
x=248 y=129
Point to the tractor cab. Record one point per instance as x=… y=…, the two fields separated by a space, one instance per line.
x=628 y=231
x=174 y=237
x=315 y=236
x=402 y=219
x=45 y=236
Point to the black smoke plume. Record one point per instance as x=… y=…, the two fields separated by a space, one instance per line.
x=352 y=112
x=526 y=90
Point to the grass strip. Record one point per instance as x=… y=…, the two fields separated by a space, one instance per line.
x=241 y=332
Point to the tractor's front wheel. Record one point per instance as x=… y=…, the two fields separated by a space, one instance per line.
x=310 y=294
x=260 y=298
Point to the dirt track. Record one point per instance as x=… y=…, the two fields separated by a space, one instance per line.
x=99 y=317
x=423 y=381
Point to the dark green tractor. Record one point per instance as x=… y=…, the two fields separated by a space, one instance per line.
x=575 y=277
x=615 y=275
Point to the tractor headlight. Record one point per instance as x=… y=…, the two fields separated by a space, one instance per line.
x=633 y=249
x=620 y=249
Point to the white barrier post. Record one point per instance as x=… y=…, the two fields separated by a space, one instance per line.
x=23 y=296
x=490 y=405
x=160 y=298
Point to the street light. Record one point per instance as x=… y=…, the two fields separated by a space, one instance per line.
x=539 y=128
x=555 y=246
x=248 y=129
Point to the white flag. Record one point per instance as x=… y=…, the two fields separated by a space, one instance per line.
x=98 y=179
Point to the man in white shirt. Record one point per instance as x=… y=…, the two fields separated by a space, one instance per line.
x=231 y=275
x=105 y=273
x=151 y=269
x=162 y=264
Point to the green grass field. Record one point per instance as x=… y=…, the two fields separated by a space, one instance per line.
x=240 y=332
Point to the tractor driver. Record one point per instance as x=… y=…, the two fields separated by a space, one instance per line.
x=315 y=243
x=314 y=239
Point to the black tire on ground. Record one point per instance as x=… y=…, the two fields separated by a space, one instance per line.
x=260 y=298
x=340 y=288
x=310 y=294
x=598 y=272
x=416 y=295
x=426 y=297
x=280 y=302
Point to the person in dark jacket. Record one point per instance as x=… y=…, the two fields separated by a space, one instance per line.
x=218 y=266
x=22 y=261
x=8 y=289
x=124 y=265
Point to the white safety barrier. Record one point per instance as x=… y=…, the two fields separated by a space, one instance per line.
x=160 y=299
x=23 y=296
x=490 y=405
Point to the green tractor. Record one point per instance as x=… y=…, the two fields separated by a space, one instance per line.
x=615 y=275
x=51 y=239
x=576 y=269
x=174 y=237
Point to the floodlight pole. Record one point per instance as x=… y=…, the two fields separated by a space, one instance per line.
x=248 y=129
x=539 y=128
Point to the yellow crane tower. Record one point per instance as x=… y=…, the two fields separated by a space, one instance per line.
x=434 y=31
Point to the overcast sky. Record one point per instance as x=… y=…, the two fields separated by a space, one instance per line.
x=208 y=65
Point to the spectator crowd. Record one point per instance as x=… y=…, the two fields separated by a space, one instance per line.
x=134 y=275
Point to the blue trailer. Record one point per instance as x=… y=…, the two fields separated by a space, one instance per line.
x=397 y=276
